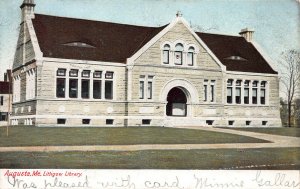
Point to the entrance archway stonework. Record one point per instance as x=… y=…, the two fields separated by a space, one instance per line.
x=187 y=87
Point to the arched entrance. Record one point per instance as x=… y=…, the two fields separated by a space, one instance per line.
x=185 y=90
x=176 y=102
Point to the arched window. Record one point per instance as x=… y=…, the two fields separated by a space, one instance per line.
x=166 y=54
x=190 y=56
x=178 y=54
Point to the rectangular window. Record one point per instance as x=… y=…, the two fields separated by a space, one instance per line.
x=212 y=91
x=97 y=74
x=254 y=96
x=166 y=57
x=73 y=88
x=146 y=121
x=264 y=123
x=149 y=91
x=254 y=84
x=248 y=122
x=190 y=58
x=209 y=122
x=238 y=95
x=61 y=121
x=85 y=73
x=231 y=122
x=85 y=88
x=205 y=92
x=246 y=96
x=263 y=96
x=60 y=87
x=3 y=116
x=109 y=75
x=229 y=82
x=86 y=121
x=229 y=95
x=61 y=72
x=142 y=83
x=73 y=73
x=109 y=122
x=178 y=57
x=97 y=89
x=1 y=100
x=109 y=90
x=246 y=83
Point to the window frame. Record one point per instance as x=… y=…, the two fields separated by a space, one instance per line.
x=88 y=72
x=1 y=100
x=177 y=50
x=166 y=51
x=73 y=73
x=75 y=80
x=190 y=60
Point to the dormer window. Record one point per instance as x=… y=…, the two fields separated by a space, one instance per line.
x=178 y=54
x=236 y=58
x=166 y=54
x=79 y=44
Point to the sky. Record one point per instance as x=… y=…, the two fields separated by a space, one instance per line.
x=276 y=22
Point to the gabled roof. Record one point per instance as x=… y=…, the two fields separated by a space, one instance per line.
x=113 y=42
x=236 y=53
x=71 y=38
x=4 y=88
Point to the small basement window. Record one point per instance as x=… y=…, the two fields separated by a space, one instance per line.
x=248 y=122
x=109 y=122
x=231 y=122
x=209 y=122
x=264 y=123
x=146 y=121
x=61 y=121
x=86 y=121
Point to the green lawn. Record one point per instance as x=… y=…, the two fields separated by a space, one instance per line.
x=37 y=136
x=267 y=158
x=284 y=131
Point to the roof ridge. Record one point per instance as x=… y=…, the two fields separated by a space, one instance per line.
x=237 y=36
x=100 y=21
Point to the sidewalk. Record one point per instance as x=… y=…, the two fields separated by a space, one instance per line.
x=276 y=142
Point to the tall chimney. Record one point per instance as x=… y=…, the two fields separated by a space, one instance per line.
x=27 y=8
x=247 y=34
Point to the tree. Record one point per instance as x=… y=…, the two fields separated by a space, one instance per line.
x=290 y=77
x=297 y=112
x=283 y=112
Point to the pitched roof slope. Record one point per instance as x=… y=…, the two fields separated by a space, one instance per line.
x=112 y=42
x=224 y=47
x=105 y=41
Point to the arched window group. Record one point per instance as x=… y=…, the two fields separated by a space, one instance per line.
x=178 y=54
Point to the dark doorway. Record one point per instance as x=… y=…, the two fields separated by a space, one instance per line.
x=176 y=105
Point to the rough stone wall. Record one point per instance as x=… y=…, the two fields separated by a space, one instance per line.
x=50 y=108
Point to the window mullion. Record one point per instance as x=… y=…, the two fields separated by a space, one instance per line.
x=103 y=85
x=67 y=77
